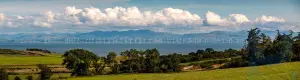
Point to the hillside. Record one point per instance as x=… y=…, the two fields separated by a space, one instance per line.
x=26 y=57
x=283 y=71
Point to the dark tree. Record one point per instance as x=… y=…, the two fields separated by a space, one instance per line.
x=79 y=61
x=254 y=53
x=29 y=78
x=45 y=72
x=283 y=46
x=112 y=62
x=17 y=78
x=296 y=48
x=3 y=75
x=152 y=60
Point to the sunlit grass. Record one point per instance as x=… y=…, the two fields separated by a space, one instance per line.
x=36 y=76
x=29 y=60
x=283 y=71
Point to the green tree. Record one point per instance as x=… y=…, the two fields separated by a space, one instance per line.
x=131 y=64
x=17 y=78
x=99 y=66
x=29 y=78
x=296 y=47
x=283 y=46
x=79 y=61
x=112 y=62
x=254 y=53
x=45 y=72
x=266 y=47
x=170 y=63
x=152 y=60
x=3 y=75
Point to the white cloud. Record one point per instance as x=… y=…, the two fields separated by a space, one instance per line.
x=238 y=18
x=132 y=16
x=212 y=19
x=265 y=19
x=42 y=24
x=2 y=17
x=50 y=16
x=119 y=18
x=20 y=17
x=72 y=11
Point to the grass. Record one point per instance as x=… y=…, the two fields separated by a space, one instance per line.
x=283 y=71
x=29 y=60
x=36 y=76
x=202 y=61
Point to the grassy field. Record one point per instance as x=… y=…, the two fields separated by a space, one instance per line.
x=29 y=60
x=36 y=76
x=283 y=71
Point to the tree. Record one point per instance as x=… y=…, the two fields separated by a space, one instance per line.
x=17 y=78
x=152 y=60
x=209 y=50
x=112 y=62
x=266 y=47
x=99 y=66
x=170 y=63
x=131 y=64
x=283 y=46
x=29 y=78
x=296 y=47
x=79 y=61
x=3 y=75
x=45 y=72
x=254 y=53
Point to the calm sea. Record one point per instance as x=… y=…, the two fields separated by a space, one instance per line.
x=103 y=49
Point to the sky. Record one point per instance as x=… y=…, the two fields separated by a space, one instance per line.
x=174 y=16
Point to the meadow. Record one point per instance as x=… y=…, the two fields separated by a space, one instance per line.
x=29 y=60
x=283 y=71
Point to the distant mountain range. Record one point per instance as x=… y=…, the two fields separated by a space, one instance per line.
x=131 y=35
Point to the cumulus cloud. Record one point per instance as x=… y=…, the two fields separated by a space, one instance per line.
x=212 y=19
x=42 y=24
x=50 y=16
x=132 y=16
x=2 y=17
x=266 y=19
x=119 y=18
x=20 y=17
x=72 y=11
x=238 y=18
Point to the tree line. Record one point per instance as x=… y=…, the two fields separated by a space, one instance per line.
x=262 y=49
x=259 y=50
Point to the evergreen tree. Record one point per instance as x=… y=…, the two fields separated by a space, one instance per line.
x=283 y=46
x=254 y=53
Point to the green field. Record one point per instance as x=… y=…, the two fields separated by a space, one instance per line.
x=36 y=76
x=283 y=71
x=29 y=60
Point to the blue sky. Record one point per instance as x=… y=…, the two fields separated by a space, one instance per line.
x=253 y=9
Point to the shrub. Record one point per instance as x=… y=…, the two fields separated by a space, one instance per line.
x=29 y=78
x=3 y=75
x=17 y=78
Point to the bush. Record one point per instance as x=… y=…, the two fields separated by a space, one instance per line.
x=41 y=50
x=29 y=78
x=45 y=72
x=17 y=78
x=3 y=75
